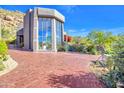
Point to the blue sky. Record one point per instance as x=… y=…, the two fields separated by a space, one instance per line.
x=82 y=19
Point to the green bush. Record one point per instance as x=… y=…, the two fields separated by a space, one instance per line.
x=8 y=34
x=94 y=51
x=61 y=48
x=77 y=48
x=109 y=63
x=72 y=48
x=115 y=65
x=110 y=79
x=3 y=49
x=1 y=66
x=80 y=48
x=3 y=53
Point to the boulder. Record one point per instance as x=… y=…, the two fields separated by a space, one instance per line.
x=8 y=18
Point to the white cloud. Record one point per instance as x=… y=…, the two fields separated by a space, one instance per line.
x=68 y=8
x=84 y=32
x=77 y=32
x=115 y=30
x=72 y=30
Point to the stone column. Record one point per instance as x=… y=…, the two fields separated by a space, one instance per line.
x=35 y=31
x=54 y=45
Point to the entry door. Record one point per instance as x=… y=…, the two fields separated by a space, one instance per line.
x=21 y=41
x=45 y=42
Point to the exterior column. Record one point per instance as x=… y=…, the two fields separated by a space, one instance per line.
x=35 y=31
x=54 y=45
x=62 y=33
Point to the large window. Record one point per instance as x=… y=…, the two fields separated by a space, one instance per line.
x=44 y=33
x=58 y=33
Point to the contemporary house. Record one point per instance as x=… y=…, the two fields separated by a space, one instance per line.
x=43 y=30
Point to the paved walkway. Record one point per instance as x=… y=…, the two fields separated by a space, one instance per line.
x=50 y=70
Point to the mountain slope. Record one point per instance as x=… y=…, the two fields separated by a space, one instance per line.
x=10 y=20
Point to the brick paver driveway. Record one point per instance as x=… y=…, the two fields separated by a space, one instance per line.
x=50 y=70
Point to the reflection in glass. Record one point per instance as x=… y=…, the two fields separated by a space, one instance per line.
x=58 y=33
x=44 y=34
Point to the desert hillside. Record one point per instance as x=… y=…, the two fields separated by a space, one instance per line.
x=10 y=20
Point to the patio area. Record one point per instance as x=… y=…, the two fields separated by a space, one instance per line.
x=49 y=69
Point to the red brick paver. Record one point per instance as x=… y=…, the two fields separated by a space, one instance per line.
x=47 y=69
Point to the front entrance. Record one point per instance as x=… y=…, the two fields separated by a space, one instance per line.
x=45 y=34
x=20 y=42
x=44 y=43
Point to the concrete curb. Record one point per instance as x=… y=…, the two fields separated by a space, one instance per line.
x=10 y=64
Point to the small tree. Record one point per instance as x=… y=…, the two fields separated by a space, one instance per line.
x=102 y=41
x=7 y=34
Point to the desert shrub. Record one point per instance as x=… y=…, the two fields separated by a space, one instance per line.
x=8 y=34
x=109 y=63
x=81 y=48
x=77 y=48
x=72 y=48
x=110 y=79
x=3 y=53
x=1 y=66
x=116 y=65
x=76 y=40
x=94 y=39
x=115 y=74
x=103 y=40
x=91 y=50
x=61 y=48
x=3 y=49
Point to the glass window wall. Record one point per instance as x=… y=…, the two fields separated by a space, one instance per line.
x=58 y=33
x=45 y=34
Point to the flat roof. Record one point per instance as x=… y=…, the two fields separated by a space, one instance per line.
x=46 y=12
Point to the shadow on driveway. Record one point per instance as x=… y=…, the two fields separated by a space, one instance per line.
x=82 y=80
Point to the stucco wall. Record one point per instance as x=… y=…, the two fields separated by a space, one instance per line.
x=50 y=13
x=26 y=31
x=31 y=31
x=35 y=30
x=54 y=48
